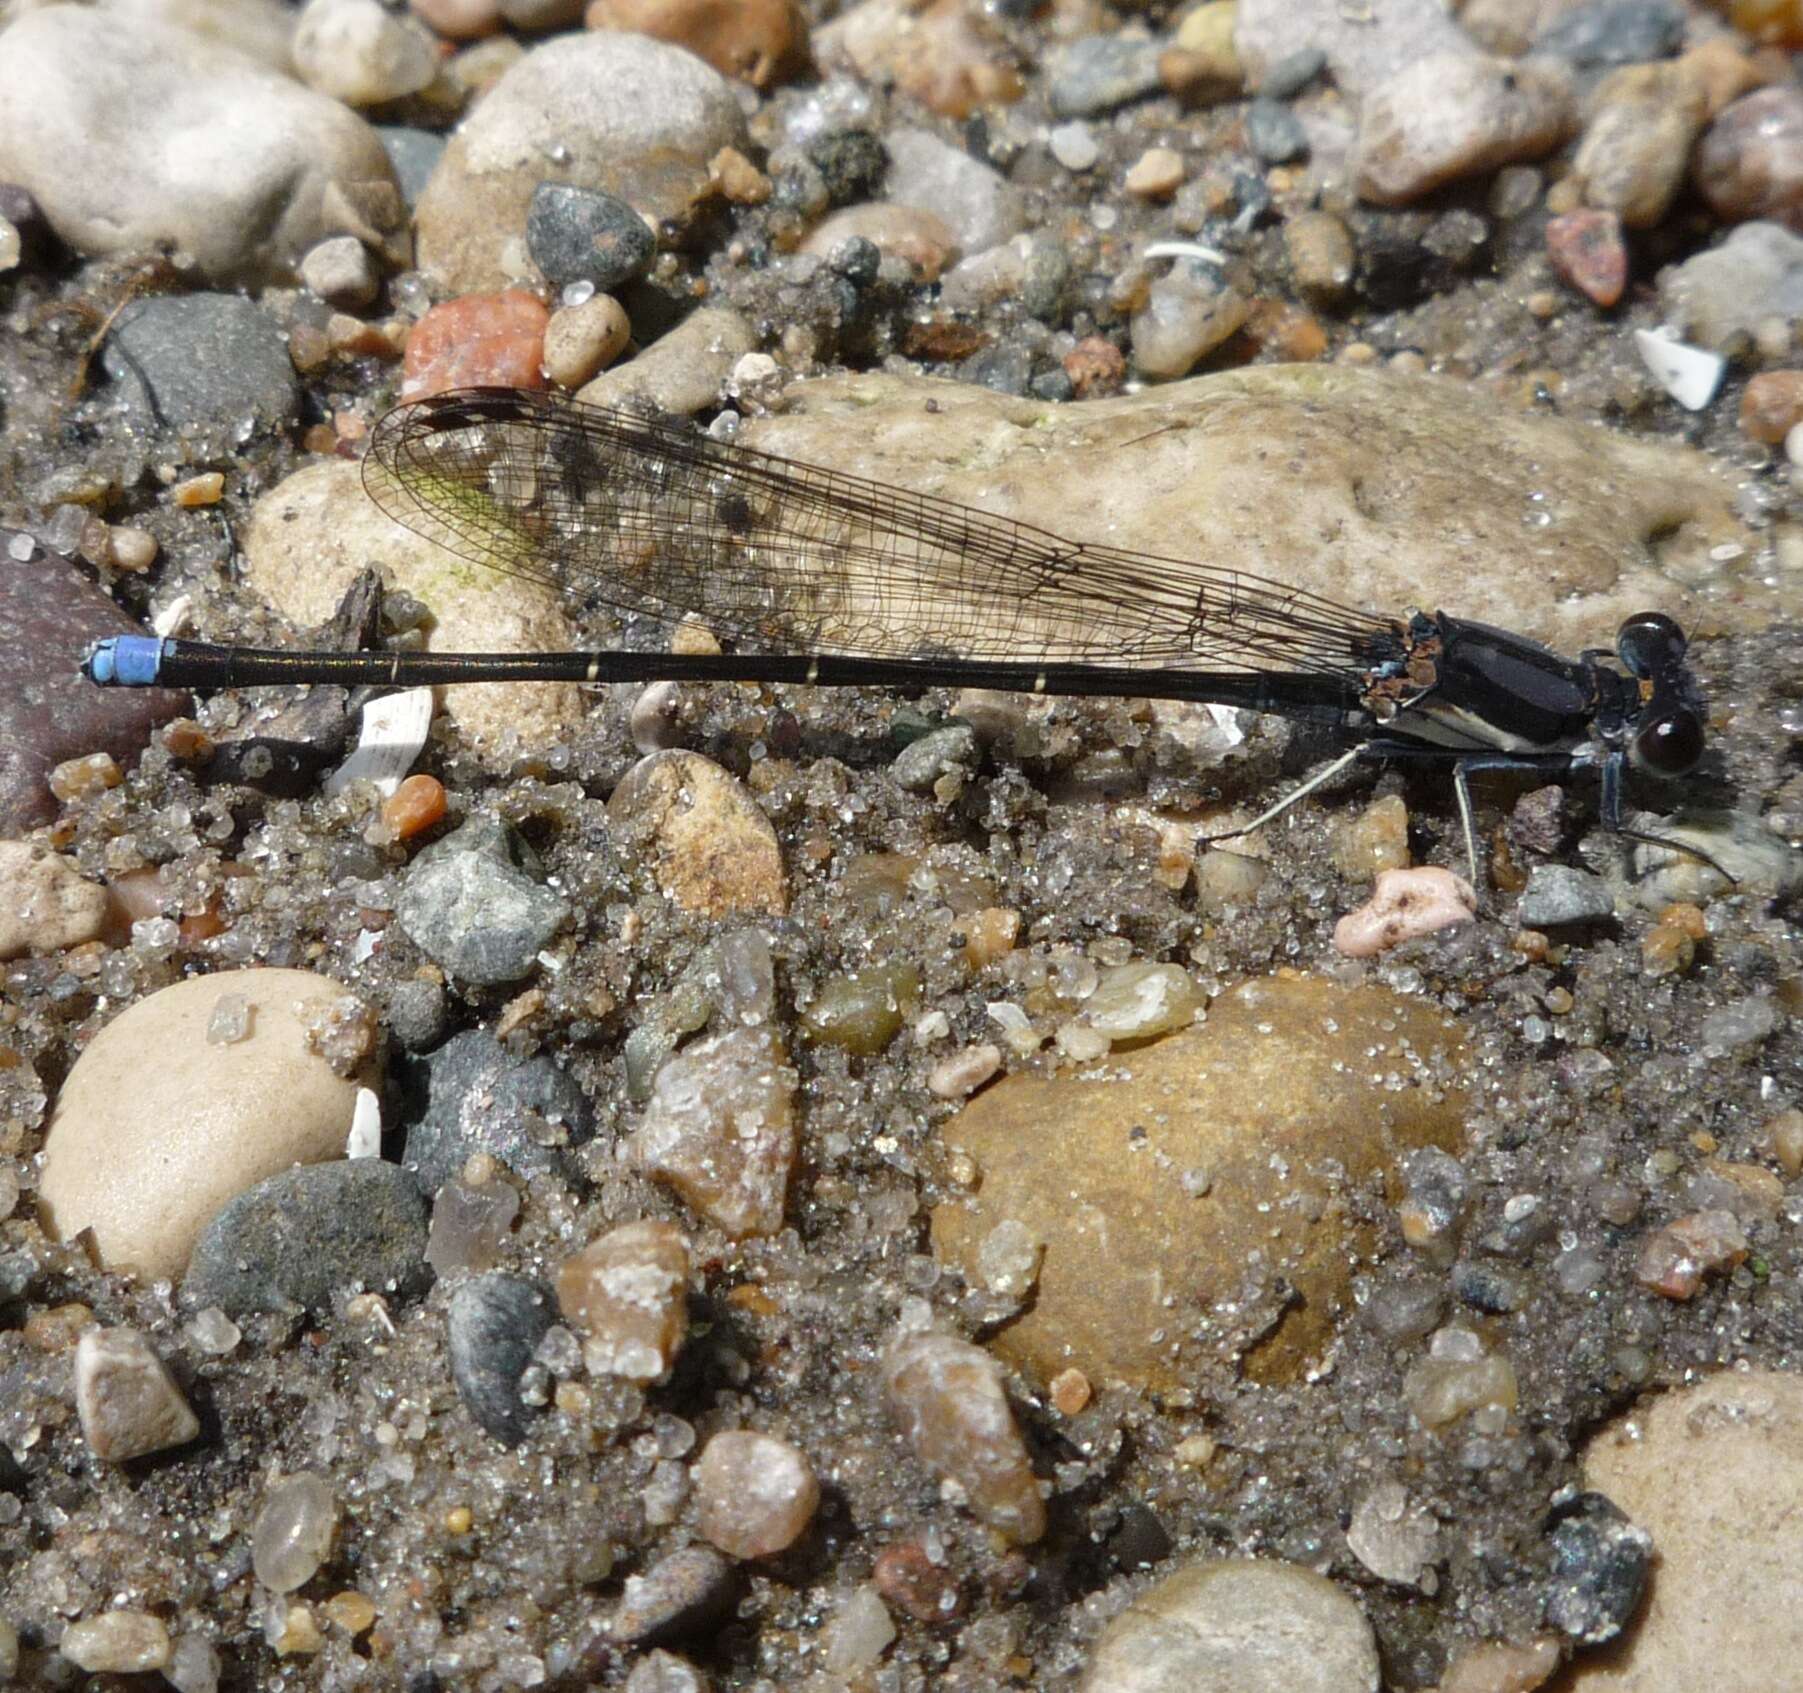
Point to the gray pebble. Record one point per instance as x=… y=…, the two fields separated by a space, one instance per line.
x=1047 y=274
x=473 y=1096
x=49 y=613
x=1615 y=32
x=417 y=1014
x=414 y=155
x=1600 y=1563
x=1722 y=297
x=918 y=766
x=1561 y=893
x=476 y=904
x=582 y=235
x=292 y=1242
x=493 y=1328
x=1274 y=132
x=683 y=1594
x=851 y=163
x=1100 y=72
x=203 y=366
x=1491 y=1288
x=1005 y=368
x=340 y=271
x=1292 y=73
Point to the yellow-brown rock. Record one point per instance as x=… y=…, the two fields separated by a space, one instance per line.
x=1177 y=1195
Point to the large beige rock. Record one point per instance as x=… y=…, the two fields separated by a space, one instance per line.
x=157 y=1126
x=1714 y=1472
x=1378 y=490
x=1177 y=1189
x=307 y=539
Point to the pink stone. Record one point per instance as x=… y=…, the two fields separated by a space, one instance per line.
x=754 y=1494
x=1674 y=1259
x=1587 y=250
x=1405 y=905
x=478 y=340
x=1750 y=162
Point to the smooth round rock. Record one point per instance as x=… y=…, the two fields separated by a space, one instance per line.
x=755 y=1494
x=1237 y=1625
x=582 y=235
x=359 y=52
x=157 y=1127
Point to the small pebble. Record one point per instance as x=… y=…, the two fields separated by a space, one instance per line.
x=1439 y=1391
x=1069 y=1392
x=862 y=1011
x=1599 y=1569
x=1141 y=1000
x=1406 y=905
x=1636 y=146
x=919 y=238
x=1666 y=950
x=961 y=1074
x=663 y=1672
x=922 y=763
x=1287 y=77
x=682 y=1594
x=341 y=272
x=357 y=52
x=1772 y=405
x=1321 y=255
x=415 y=806
x=46 y=904
x=1749 y=163
x=1614 y=32
x=1156 y=174
x=1586 y=249
x=858 y=1634
x=583 y=339
x=1274 y=133
x=1186 y=315
x=126 y=1398
x=194 y=493
x=1374 y=841
x=493 y=1328
x=947 y=1397
x=1561 y=893
x=754 y=1494
x=1674 y=1260
x=582 y=235
x=627 y=1293
x=1100 y=72
x=906 y=1576
x=477 y=341
x=762 y=42
x=1074 y=146
x=294 y=1531
x=117 y=1643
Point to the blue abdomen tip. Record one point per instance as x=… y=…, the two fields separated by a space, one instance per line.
x=125 y=661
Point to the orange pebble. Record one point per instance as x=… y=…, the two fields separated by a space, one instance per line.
x=476 y=341
x=416 y=804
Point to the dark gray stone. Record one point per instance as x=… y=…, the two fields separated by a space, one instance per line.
x=1600 y=1563
x=294 y=1241
x=1562 y=893
x=1100 y=72
x=211 y=367
x=49 y=615
x=473 y=1096
x=851 y=163
x=1492 y=1288
x=417 y=1015
x=414 y=154
x=475 y=903
x=494 y=1326
x=1616 y=32
x=1292 y=73
x=687 y=1593
x=583 y=235
x=1274 y=132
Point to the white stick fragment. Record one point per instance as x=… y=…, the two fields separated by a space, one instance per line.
x=394 y=728
x=173 y=618
x=1691 y=375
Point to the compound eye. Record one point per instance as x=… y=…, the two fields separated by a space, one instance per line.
x=1670 y=744
x=1648 y=643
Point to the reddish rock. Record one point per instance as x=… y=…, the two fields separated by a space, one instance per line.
x=1750 y=163
x=1587 y=250
x=759 y=41
x=909 y=1580
x=1772 y=405
x=479 y=340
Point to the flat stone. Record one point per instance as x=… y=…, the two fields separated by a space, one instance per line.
x=1207 y=469
x=680 y=373
x=1561 y=893
x=309 y=537
x=127 y=1400
x=294 y=1241
x=270 y=168
x=45 y=904
x=49 y=612
x=1714 y=1473
x=1237 y=1625
x=632 y=117
x=1216 y=1148
x=157 y=1126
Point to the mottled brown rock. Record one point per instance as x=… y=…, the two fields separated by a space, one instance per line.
x=1206 y=1167
x=627 y=1295
x=1636 y=145
x=762 y=42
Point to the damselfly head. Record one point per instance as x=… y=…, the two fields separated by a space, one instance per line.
x=1667 y=737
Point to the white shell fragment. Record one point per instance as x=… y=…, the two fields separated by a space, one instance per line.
x=394 y=729
x=365 y=1138
x=1691 y=375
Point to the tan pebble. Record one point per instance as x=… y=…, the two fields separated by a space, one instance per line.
x=350 y=1610
x=1632 y=157
x=581 y=340
x=1156 y=174
x=1069 y=1392
x=720 y=1130
x=207 y=489
x=961 y=1074
x=117 y=1642
x=762 y=42
x=711 y=849
x=45 y=903
x=81 y=778
x=295 y=1632
x=1439 y=1391
x=460 y=20
x=627 y=1295
x=1374 y=841
x=947 y=1397
x=134 y=549
x=57 y=1329
x=1406 y=905
x=738 y=179
x=1666 y=950
x=1784 y=1134
x=1499 y=1666
x=1772 y=405
x=1322 y=256
x=1721 y=70
x=126 y=1398
x=157 y=1126
x=1674 y=1260
x=754 y=1494
x=691 y=638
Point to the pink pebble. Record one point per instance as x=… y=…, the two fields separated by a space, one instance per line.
x=480 y=340
x=1405 y=904
x=1586 y=248
x=1750 y=162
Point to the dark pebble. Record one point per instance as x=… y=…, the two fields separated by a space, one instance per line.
x=473 y=1096
x=1599 y=1572
x=1292 y=73
x=49 y=613
x=1537 y=824
x=418 y=1013
x=1139 y=1540
x=1100 y=72
x=852 y=164
x=583 y=235
x=494 y=1326
x=1562 y=893
x=1054 y=385
x=1006 y=368
x=1617 y=32
x=202 y=366
x=294 y=1241
x=414 y=154
x=686 y=1594
x=1048 y=275
x=1494 y=1288
x=857 y=260
x=476 y=903
x=1274 y=132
